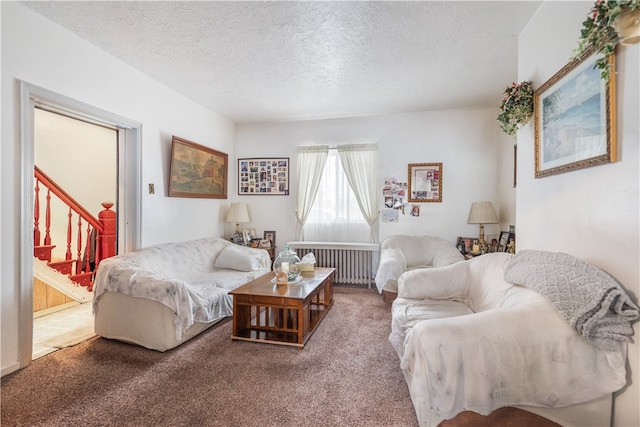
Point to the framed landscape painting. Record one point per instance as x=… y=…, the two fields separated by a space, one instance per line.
x=574 y=118
x=197 y=171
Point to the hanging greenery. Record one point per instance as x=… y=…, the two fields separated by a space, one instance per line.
x=599 y=31
x=516 y=108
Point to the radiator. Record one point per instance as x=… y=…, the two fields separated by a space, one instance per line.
x=354 y=262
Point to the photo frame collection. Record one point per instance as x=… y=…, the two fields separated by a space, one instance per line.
x=574 y=118
x=197 y=171
x=263 y=176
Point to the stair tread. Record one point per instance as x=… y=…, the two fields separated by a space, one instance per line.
x=61 y=262
x=89 y=273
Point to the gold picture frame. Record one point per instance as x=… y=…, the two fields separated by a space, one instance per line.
x=575 y=118
x=425 y=182
x=197 y=171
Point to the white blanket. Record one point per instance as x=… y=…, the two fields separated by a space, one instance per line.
x=588 y=298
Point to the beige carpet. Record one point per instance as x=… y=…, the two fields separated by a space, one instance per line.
x=347 y=375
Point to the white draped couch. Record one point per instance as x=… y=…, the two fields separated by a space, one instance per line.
x=163 y=295
x=403 y=253
x=469 y=340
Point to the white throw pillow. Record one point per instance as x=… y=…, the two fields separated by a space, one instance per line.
x=235 y=258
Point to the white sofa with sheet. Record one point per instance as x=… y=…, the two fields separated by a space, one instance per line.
x=161 y=296
x=479 y=335
x=403 y=253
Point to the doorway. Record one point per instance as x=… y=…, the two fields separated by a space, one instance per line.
x=127 y=196
x=80 y=158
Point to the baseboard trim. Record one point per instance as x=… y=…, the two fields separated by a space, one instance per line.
x=10 y=369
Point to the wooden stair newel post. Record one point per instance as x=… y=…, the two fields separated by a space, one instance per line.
x=107 y=242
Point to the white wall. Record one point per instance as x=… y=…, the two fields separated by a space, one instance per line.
x=590 y=213
x=467 y=142
x=39 y=52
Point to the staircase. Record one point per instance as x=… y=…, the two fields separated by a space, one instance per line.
x=95 y=238
x=65 y=266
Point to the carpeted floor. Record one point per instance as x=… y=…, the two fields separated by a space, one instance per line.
x=347 y=375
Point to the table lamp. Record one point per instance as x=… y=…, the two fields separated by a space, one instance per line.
x=482 y=213
x=237 y=213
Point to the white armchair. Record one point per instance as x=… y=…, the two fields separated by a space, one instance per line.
x=469 y=340
x=403 y=253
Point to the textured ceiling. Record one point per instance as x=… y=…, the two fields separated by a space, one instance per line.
x=280 y=61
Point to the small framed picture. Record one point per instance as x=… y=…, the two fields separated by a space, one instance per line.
x=270 y=236
x=248 y=234
x=264 y=243
x=465 y=244
x=504 y=239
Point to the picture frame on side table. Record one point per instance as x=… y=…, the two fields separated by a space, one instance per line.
x=465 y=244
x=575 y=118
x=425 y=182
x=502 y=242
x=268 y=176
x=248 y=234
x=270 y=236
x=264 y=243
x=197 y=171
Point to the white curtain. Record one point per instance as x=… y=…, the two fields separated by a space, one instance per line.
x=335 y=215
x=360 y=163
x=311 y=161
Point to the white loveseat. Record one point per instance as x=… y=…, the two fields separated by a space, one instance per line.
x=403 y=253
x=469 y=340
x=163 y=295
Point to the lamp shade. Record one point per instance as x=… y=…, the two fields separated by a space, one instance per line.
x=482 y=213
x=238 y=213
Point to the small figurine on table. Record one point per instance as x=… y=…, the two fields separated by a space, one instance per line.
x=282 y=278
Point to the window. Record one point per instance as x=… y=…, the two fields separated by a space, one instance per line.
x=335 y=215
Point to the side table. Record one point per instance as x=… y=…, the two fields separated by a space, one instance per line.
x=272 y=253
x=390 y=291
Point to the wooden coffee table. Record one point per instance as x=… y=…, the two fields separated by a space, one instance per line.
x=282 y=314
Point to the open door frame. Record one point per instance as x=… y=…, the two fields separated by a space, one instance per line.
x=129 y=179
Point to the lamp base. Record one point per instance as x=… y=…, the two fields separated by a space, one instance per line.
x=484 y=248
